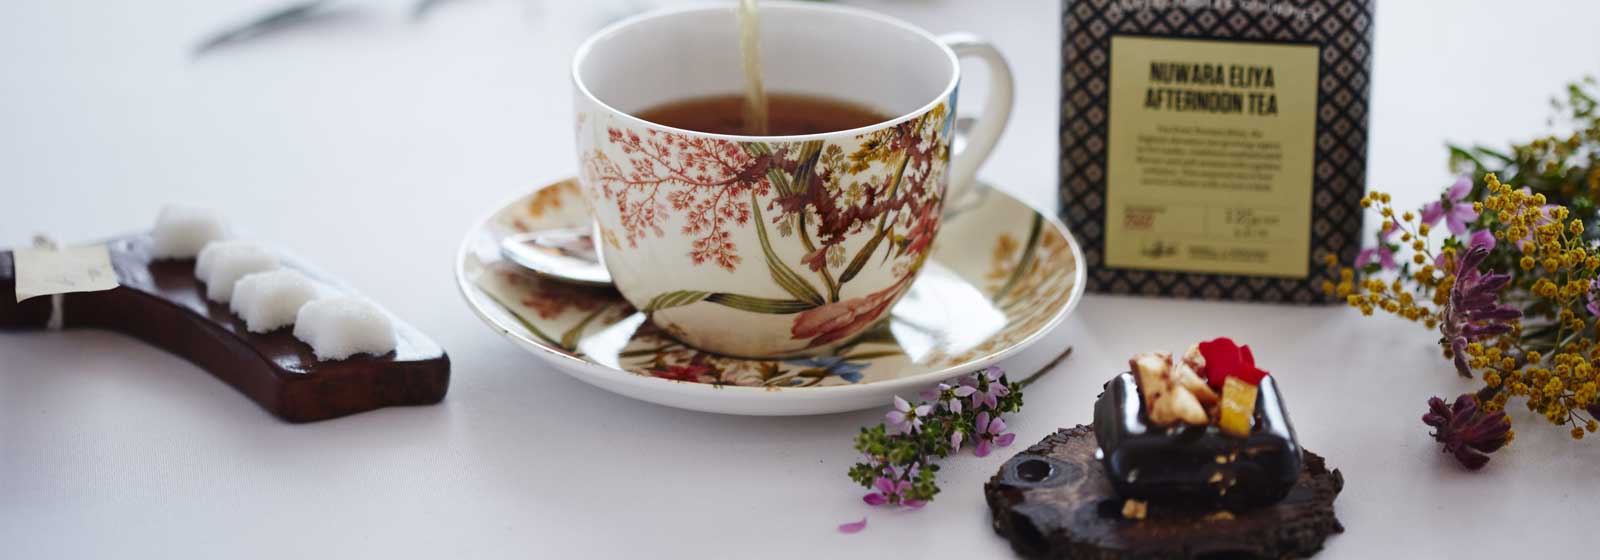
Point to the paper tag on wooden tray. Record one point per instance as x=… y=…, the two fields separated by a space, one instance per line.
x=43 y=272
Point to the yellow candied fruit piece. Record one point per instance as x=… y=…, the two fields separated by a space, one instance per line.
x=1238 y=407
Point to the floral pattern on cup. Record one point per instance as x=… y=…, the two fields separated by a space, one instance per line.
x=829 y=232
x=1027 y=273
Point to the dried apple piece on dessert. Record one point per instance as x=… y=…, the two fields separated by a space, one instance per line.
x=1166 y=399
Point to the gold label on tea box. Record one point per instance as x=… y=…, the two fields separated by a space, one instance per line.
x=1209 y=156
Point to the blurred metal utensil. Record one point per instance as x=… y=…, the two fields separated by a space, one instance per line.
x=421 y=8
x=566 y=255
x=284 y=17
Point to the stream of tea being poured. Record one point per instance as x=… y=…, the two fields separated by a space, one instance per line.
x=755 y=94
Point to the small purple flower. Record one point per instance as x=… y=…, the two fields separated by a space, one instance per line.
x=893 y=488
x=906 y=418
x=1466 y=431
x=887 y=491
x=1472 y=314
x=955 y=441
x=1382 y=252
x=1453 y=207
x=991 y=433
x=944 y=395
x=985 y=390
x=1482 y=238
x=993 y=373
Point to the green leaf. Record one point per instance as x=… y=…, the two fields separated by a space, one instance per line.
x=786 y=278
x=1461 y=155
x=861 y=258
x=570 y=338
x=1503 y=157
x=645 y=351
x=774 y=173
x=809 y=153
x=780 y=179
x=760 y=305
x=532 y=328
x=677 y=298
x=680 y=298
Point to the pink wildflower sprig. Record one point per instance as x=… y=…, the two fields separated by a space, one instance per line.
x=899 y=453
x=898 y=456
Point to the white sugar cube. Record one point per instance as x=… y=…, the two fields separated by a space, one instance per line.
x=341 y=326
x=181 y=231
x=222 y=263
x=205 y=261
x=270 y=300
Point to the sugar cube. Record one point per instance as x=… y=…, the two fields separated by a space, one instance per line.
x=341 y=326
x=209 y=254
x=270 y=300
x=222 y=263
x=181 y=231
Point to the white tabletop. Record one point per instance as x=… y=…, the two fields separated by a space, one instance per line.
x=370 y=143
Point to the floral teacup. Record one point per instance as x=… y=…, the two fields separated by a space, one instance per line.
x=763 y=246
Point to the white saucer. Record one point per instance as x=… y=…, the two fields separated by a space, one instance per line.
x=1000 y=276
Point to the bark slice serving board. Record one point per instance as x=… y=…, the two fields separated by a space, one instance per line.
x=1054 y=501
x=163 y=304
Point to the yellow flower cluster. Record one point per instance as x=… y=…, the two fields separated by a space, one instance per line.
x=1559 y=386
x=1557 y=374
x=1395 y=297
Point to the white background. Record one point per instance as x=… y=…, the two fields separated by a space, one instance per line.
x=371 y=143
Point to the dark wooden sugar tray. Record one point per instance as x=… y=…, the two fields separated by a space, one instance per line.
x=163 y=304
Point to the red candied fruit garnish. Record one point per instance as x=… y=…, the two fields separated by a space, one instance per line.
x=1226 y=359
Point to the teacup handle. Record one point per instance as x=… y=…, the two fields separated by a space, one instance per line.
x=996 y=112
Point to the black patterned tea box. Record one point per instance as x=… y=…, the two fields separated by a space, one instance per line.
x=1215 y=149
